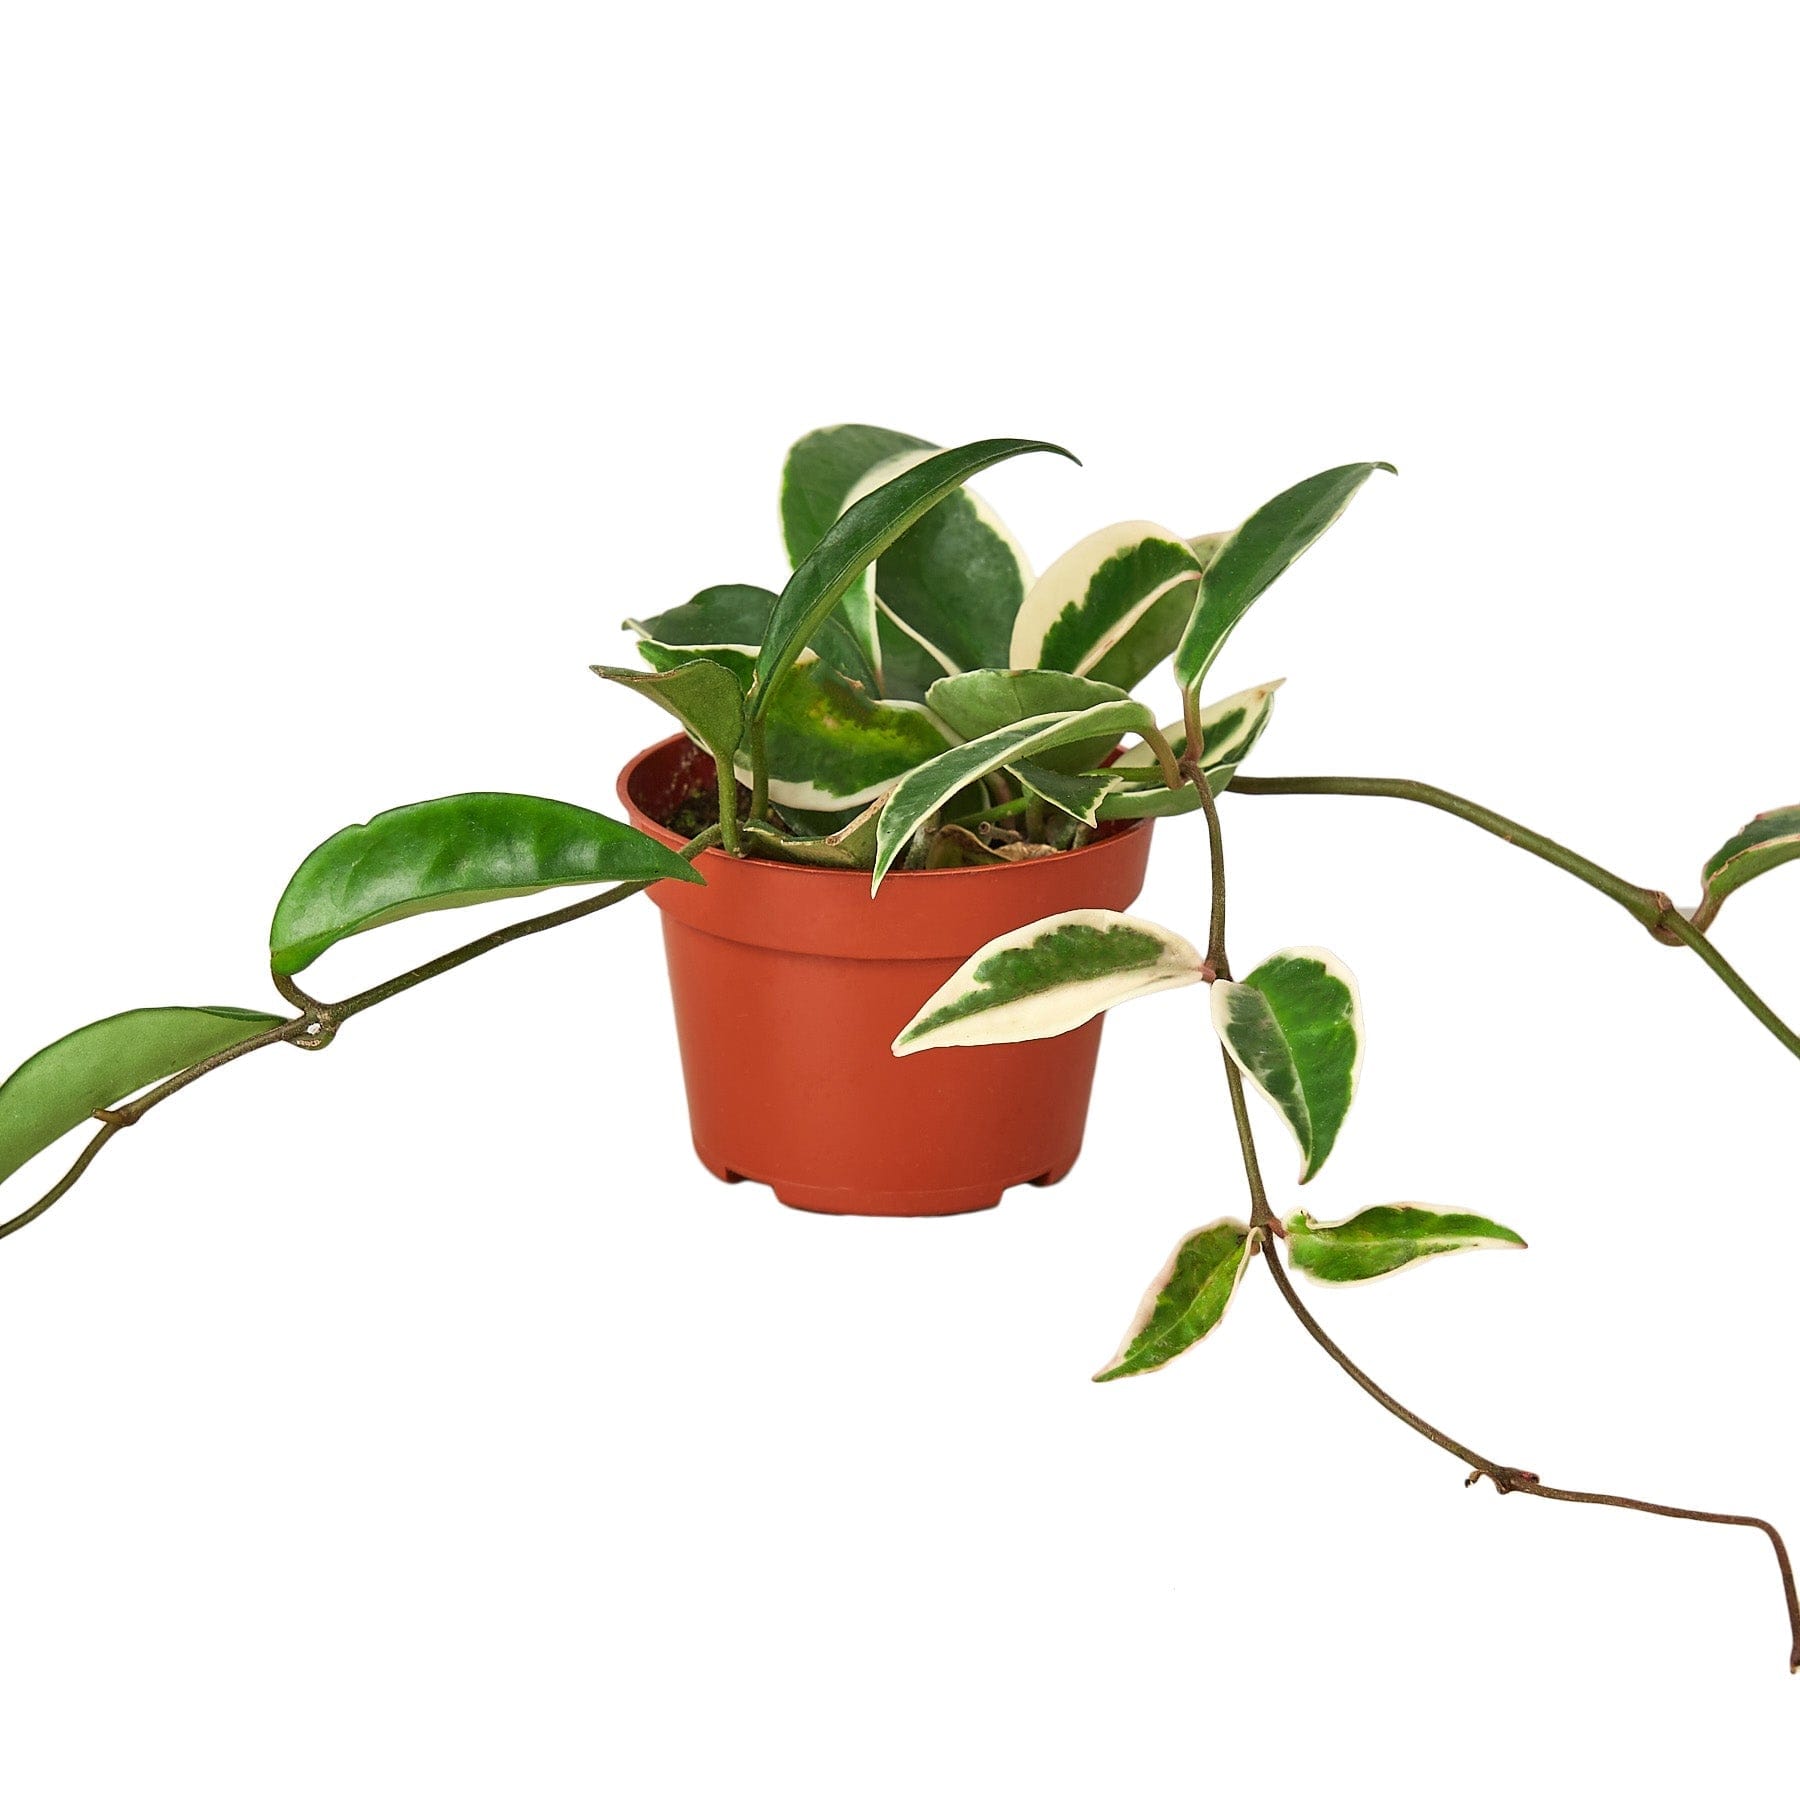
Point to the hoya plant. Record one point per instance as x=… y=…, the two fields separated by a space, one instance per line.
x=913 y=697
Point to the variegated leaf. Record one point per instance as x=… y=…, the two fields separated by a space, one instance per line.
x=1079 y=796
x=1152 y=800
x=945 y=595
x=1228 y=730
x=869 y=527
x=1111 y=607
x=1294 y=1026
x=705 y=696
x=983 y=700
x=1771 y=838
x=850 y=846
x=922 y=791
x=1256 y=553
x=1050 y=977
x=1186 y=1300
x=1382 y=1239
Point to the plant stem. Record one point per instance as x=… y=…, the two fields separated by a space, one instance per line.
x=1650 y=907
x=759 y=771
x=728 y=806
x=1506 y=1480
x=318 y=1021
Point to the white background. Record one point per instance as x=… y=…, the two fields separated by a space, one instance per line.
x=419 y=1418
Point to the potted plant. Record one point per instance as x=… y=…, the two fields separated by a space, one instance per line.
x=893 y=846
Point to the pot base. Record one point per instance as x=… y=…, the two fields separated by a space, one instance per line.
x=906 y=1203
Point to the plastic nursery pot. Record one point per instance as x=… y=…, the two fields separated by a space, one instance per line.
x=790 y=985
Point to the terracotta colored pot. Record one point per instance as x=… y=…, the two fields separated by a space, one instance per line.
x=791 y=983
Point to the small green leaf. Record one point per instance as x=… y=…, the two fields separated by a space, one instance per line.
x=1152 y=800
x=856 y=539
x=983 y=700
x=1385 y=1238
x=922 y=791
x=1256 y=553
x=736 y=617
x=1050 y=977
x=1112 y=607
x=1294 y=1026
x=1186 y=1300
x=1771 y=838
x=458 y=851
x=851 y=846
x=1080 y=796
x=99 y=1065
x=703 y=695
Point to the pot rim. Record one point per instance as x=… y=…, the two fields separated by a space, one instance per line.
x=1118 y=829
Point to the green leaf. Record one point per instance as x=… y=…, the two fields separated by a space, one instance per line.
x=1112 y=607
x=922 y=791
x=1186 y=1300
x=1294 y=1026
x=947 y=591
x=983 y=700
x=851 y=846
x=453 y=852
x=1152 y=800
x=703 y=695
x=1771 y=838
x=736 y=617
x=822 y=470
x=99 y=1065
x=1080 y=796
x=1050 y=977
x=1385 y=1238
x=854 y=541
x=1256 y=553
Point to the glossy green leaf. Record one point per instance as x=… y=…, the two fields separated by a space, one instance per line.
x=1186 y=1300
x=704 y=696
x=1112 y=607
x=1256 y=553
x=1294 y=1026
x=101 y=1064
x=947 y=591
x=1050 y=977
x=856 y=539
x=458 y=851
x=1770 y=839
x=922 y=791
x=736 y=617
x=823 y=469
x=983 y=700
x=1080 y=796
x=1382 y=1239
x=1150 y=799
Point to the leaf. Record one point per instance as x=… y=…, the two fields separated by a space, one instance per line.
x=1077 y=795
x=921 y=791
x=1256 y=553
x=1294 y=1026
x=1228 y=730
x=1111 y=607
x=982 y=700
x=99 y=1065
x=857 y=538
x=1186 y=1300
x=947 y=591
x=736 y=617
x=829 y=745
x=1771 y=838
x=453 y=852
x=704 y=696
x=1050 y=977
x=821 y=470
x=1385 y=1238
x=851 y=846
